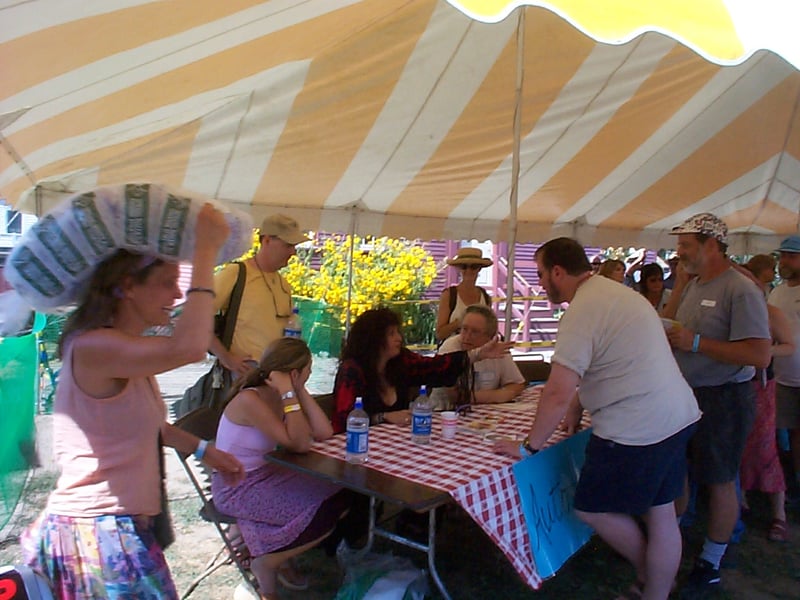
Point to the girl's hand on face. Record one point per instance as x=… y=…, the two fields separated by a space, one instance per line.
x=299 y=378
x=280 y=382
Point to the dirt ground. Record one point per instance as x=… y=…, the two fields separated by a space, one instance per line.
x=469 y=563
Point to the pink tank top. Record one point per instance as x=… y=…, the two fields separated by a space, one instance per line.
x=246 y=443
x=107 y=448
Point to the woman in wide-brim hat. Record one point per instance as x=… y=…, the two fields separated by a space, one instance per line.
x=455 y=299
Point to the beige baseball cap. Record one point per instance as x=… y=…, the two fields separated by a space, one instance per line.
x=284 y=228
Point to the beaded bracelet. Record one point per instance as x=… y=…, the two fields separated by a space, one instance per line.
x=205 y=290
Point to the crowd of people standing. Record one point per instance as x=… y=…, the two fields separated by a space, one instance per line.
x=703 y=363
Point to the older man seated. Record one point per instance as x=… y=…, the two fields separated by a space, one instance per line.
x=493 y=380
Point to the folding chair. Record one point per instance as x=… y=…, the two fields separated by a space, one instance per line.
x=325 y=402
x=203 y=422
x=534 y=370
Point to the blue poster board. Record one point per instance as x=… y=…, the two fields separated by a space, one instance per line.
x=546 y=484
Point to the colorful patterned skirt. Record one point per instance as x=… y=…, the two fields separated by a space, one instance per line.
x=110 y=557
x=761 y=466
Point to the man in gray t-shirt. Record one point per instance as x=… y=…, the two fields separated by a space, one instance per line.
x=723 y=334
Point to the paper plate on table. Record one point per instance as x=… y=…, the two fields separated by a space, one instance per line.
x=498 y=437
x=481 y=426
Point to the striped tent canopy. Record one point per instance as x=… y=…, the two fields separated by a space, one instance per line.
x=396 y=117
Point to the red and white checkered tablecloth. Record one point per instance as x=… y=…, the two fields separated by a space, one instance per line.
x=480 y=480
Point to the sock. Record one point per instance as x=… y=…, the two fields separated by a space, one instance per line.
x=713 y=552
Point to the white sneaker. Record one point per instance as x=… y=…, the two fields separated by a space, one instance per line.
x=244 y=591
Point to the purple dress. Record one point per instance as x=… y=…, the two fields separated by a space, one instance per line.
x=273 y=505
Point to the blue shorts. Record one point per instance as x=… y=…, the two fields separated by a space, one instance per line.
x=631 y=479
x=715 y=451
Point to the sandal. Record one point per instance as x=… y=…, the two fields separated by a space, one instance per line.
x=241 y=550
x=632 y=593
x=290 y=578
x=777 y=531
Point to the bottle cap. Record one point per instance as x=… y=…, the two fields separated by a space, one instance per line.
x=423 y=391
x=358 y=402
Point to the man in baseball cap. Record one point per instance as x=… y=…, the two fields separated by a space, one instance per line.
x=786 y=297
x=266 y=303
x=705 y=224
x=724 y=335
x=284 y=228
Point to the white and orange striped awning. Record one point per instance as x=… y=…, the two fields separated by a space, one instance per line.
x=396 y=116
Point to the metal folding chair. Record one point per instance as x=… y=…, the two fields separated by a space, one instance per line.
x=203 y=422
x=535 y=369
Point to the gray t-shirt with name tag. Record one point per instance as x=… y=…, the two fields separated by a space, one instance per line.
x=729 y=307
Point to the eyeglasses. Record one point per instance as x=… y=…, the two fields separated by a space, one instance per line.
x=470 y=267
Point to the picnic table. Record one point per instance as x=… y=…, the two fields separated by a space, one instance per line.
x=422 y=477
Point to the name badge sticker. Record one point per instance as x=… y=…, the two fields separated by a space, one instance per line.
x=708 y=303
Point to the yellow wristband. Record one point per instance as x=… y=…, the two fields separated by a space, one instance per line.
x=290 y=408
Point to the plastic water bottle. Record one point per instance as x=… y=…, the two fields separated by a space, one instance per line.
x=294 y=326
x=421 y=417
x=357 y=451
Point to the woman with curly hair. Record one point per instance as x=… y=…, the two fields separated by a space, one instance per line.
x=376 y=366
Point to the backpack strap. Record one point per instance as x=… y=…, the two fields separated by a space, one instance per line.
x=453 y=299
x=232 y=313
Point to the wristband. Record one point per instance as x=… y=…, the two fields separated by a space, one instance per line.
x=696 y=343
x=287 y=395
x=523 y=451
x=204 y=290
x=200 y=451
x=290 y=408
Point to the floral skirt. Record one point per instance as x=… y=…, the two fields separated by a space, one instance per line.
x=111 y=557
x=761 y=466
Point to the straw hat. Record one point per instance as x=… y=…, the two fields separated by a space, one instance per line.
x=469 y=256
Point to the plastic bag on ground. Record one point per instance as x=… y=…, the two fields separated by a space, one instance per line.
x=373 y=576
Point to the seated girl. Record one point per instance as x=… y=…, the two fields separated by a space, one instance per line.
x=280 y=513
x=376 y=366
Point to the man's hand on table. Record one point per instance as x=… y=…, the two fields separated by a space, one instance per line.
x=507 y=447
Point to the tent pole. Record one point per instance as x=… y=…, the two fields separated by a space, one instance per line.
x=512 y=221
x=350 y=254
x=38 y=200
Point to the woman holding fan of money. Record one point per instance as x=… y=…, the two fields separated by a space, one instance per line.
x=96 y=538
